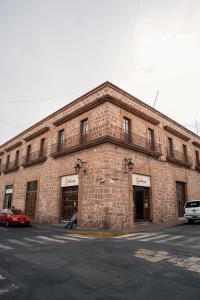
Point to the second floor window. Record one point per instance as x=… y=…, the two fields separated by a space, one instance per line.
x=28 y=153
x=42 y=147
x=197 y=157
x=185 y=156
x=127 y=129
x=61 y=139
x=151 y=138
x=84 y=131
x=7 y=161
x=17 y=158
x=170 y=147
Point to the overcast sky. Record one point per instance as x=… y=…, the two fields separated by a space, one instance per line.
x=60 y=49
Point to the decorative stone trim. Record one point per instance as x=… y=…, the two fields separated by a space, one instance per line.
x=13 y=146
x=36 y=134
x=1 y=153
x=196 y=144
x=176 y=133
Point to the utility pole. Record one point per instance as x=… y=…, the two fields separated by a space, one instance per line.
x=156 y=98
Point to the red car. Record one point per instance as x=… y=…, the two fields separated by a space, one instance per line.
x=14 y=217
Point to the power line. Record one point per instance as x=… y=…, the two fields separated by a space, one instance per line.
x=11 y=124
x=156 y=98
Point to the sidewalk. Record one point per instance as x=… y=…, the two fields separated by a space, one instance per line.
x=144 y=227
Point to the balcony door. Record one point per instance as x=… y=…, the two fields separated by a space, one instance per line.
x=127 y=130
x=181 y=197
x=31 y=198
x=84 y=131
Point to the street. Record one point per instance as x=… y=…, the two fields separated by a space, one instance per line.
x=54 y=264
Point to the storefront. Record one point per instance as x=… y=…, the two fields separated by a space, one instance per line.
x=141 y=197
x=69 y=202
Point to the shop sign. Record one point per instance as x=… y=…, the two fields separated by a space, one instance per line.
x=141 y=180
x=70 y=180
x=9 y=189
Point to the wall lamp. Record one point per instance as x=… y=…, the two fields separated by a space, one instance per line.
x=129 y=164
x=80 y=165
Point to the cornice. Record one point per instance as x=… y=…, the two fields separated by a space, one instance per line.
x=102 y=100
x=196 y=144
x=17 y=144
x=176 y=133
x=36 y=134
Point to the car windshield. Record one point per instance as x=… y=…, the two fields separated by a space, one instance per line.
x=193 y=204
x=17 y=212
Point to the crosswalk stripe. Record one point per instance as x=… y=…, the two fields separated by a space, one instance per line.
x=19 y=243
x=3 y=247
x=66 y=238
x=83 y=236
x=146 y=235
x=34 y=241
x=170 y=239
x=154 y=238
x=45 y=238
x=186 y=241
x=2 y=228
x=127 y=235
x=1 y=277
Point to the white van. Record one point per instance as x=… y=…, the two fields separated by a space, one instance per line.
x=192 y=210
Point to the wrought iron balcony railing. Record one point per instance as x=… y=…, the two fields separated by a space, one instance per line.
x=11 y=166
x=106 y=133
x=34 y=158
x=179 y=158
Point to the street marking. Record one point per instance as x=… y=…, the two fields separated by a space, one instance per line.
x=8 y=289
x=189 y=263
x=2 y=228
x=34 y=241
x=16 y=242
x=186 y=241
x=154 y=238
x=146 y=235
x=127 y=235
x=5 y=247
x=170 y=239
x=83 y=236
x=45 y=238
x=1 y=277
x=66 y=238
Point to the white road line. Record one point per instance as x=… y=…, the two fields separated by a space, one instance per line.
x=2 y=228
x=34 y=241
x=19 y=243
x=127 y=235
x=189 y=240
x=45 y=238
x=170 y=239
x=1 y=277
x=8 y=289
x=66 y=238
x=146 y=235
x=154 y=238
x=5 y=247
x=83 y=236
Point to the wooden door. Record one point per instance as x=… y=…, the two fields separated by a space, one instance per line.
x=181 y=197
x=31 y=198
x=69 y=201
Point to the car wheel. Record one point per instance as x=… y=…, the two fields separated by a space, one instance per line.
x=7 y=224
x=191 y=221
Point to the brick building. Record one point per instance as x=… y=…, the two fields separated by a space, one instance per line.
x=113 y=157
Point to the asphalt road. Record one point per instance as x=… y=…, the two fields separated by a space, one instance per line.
x=54 y=264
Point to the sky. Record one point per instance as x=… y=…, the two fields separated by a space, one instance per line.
x=53 y=51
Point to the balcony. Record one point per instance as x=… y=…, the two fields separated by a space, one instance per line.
x=102 y=134
x=10 y=167
x=34 y=158
x=197 y=167
x=179 y=158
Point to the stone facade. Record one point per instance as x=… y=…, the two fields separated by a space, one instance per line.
x=105 y=191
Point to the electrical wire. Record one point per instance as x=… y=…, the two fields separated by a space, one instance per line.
x=11 y=124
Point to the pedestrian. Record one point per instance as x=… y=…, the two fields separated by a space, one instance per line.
x=73 y=220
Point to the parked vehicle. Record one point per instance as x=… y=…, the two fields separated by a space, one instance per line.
x=192 y=211
x=14 y=217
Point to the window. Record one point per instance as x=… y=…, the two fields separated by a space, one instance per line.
x=84 y=131
x=42 y=147
x=170 y=147
x=185 y=157
x=127 y=130
x=8 y=161
x=28 y=153
x=17 y=158
x=151 y=138
x=61 y=139
x=31 y=198
x=0 y=166
x=197 y=157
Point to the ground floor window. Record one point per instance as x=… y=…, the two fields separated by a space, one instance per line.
x=8 y=196
x=31 y=198
x=69 y=201
x=141 y=203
